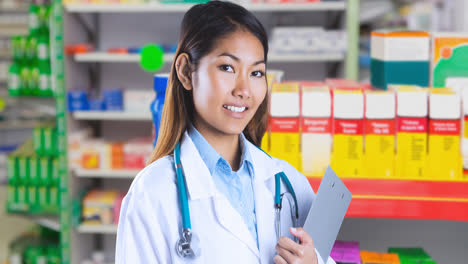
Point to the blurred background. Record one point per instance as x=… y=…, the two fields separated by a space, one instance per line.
x=376 y=88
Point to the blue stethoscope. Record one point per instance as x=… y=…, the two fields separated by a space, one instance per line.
x=184 y=246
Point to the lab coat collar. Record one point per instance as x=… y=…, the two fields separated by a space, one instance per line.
x=200 y=185
x=264 y=202
x=268 y=168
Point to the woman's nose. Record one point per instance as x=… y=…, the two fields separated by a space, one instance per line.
x=242 y=88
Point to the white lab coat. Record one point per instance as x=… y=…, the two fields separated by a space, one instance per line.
x=150 y=220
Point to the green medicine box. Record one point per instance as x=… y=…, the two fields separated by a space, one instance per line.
x=22 y=194
x=12 y=169
x=34 y=19
x=32 y=197
x=38 y=140
x=54 y=197
x=34 y=170
x=42 y=198
x=412 y=255
x=45 y=171
x=400 y=57
x=53 y=255
x=49 y=140
x=12 y=197
x=23 y=169
x=55 y=179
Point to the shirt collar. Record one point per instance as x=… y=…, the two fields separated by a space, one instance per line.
x=246 y=158
x=209 y=154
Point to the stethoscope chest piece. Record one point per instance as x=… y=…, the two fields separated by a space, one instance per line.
x=188 y=245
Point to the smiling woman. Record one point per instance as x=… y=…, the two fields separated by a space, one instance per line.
x=206 y=171
x=208 y=29
x=227 y=88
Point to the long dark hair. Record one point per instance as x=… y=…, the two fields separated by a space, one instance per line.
x=202 y=26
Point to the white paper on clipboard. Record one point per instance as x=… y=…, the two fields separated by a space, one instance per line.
x=327 y=212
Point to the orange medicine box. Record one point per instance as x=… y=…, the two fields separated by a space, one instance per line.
x=379 y=133
x=284 y=122
x=444 y=134
x=316 y=139
x=368 y=257
x=348 y=142
x=412 y=127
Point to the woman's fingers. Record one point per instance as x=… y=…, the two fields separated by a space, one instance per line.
x=279 y=260
x=293 y=247
x=287 y=255
x=292 y=252
x=303 y=236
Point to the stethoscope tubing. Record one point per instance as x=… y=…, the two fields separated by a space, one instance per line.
x=182 y=190
x=182 y=193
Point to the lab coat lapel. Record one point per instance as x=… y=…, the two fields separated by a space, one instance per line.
x=200 y=185
x=264 y=170
x=233 y=222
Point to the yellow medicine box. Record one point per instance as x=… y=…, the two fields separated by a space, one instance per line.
x=412 y=127
x=379 y=157
x=444 y=134
x=316 y=138
x=284 y=123
x=348 y=142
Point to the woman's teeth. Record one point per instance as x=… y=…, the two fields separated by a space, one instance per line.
x=235 y=109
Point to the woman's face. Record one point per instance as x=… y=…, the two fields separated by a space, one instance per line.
x=229 y=84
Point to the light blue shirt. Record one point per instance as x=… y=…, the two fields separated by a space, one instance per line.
x=237 y=186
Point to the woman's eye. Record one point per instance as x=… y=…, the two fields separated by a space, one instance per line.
x=258 y=73
x=227 y=68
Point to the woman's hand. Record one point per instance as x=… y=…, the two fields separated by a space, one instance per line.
x=290 y=252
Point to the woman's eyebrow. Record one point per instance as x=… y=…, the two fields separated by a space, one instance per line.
x=237 y=59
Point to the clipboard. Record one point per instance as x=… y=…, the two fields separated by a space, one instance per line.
x=327 y=213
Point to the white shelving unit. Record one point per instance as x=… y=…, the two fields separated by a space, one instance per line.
x=97 y=229
x=104 y=57
x=114 y=174
x=158 y=7
x=111 y=115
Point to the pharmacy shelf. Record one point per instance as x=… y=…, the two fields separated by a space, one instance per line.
x=5 y=53
x=49 y=222
x=97 y=229
x=14 y=8
x=12 y=125
x=12 y=30
x=406 y=199
x=337 y=56
x=114 y=57
x=165 y=8
x=112 y=115
x=124 y=174
x=104 y=57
